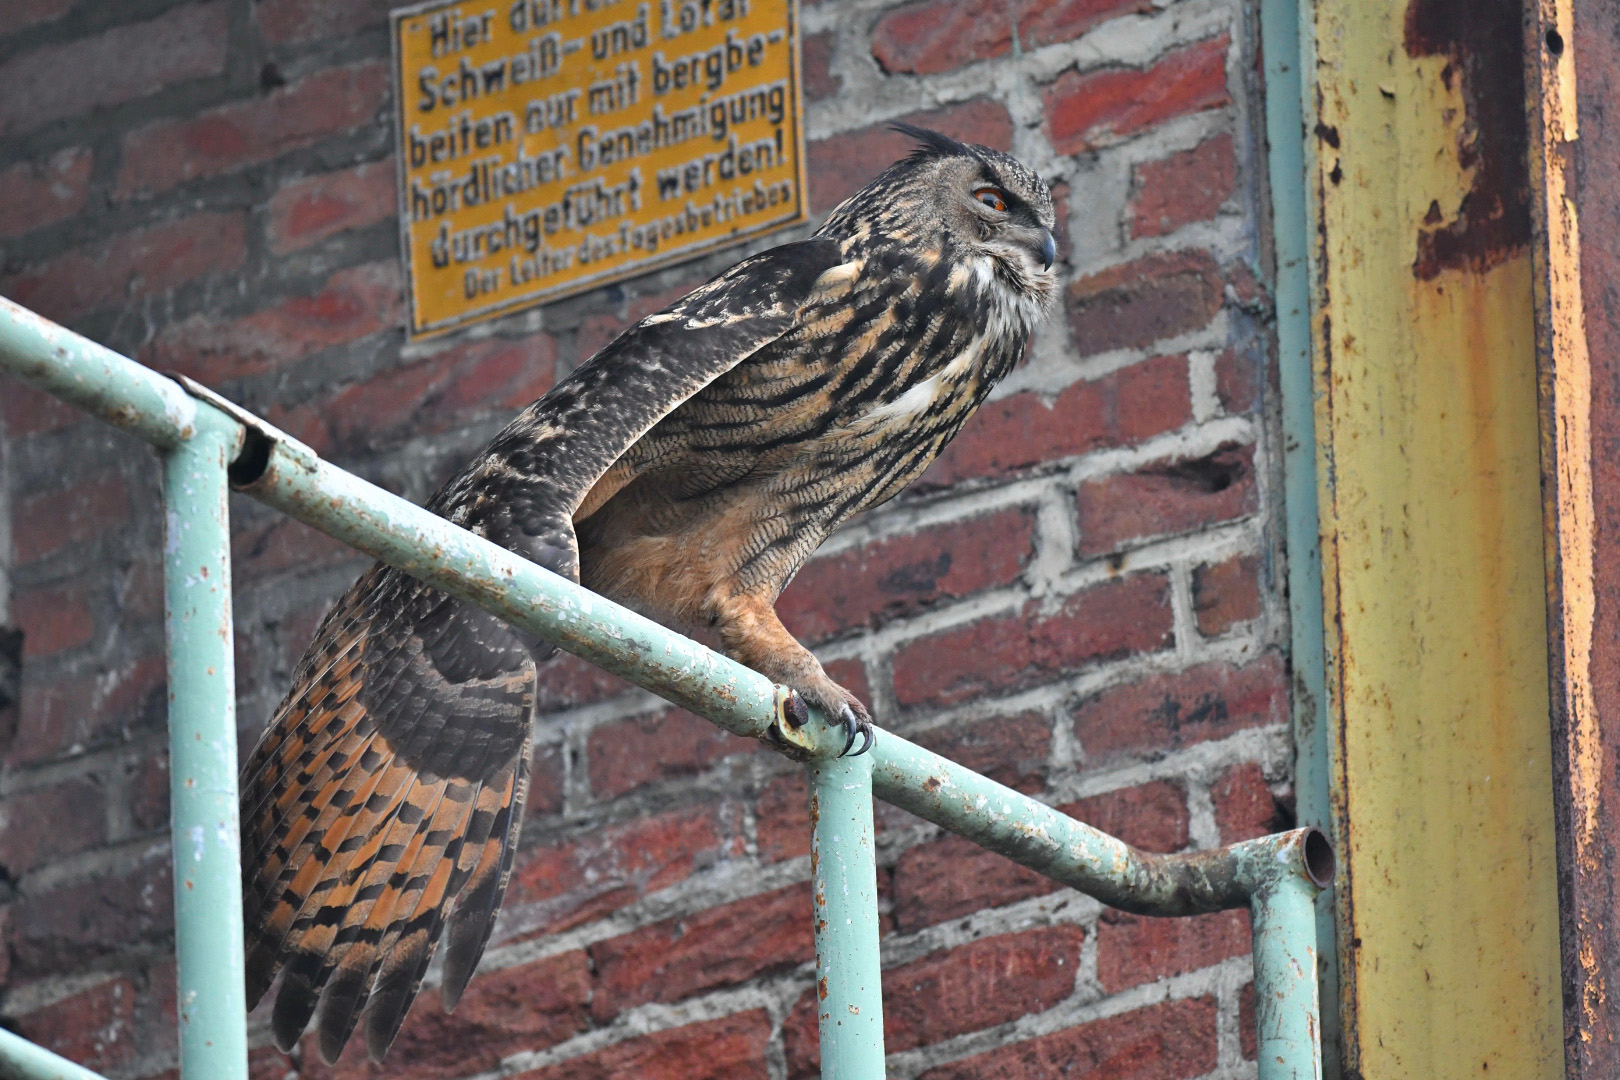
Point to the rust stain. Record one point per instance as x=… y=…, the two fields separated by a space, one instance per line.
x=1481 y=40
x=821 y=987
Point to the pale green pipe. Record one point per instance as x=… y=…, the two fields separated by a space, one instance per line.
x=202 y=753
x=23 y=1060
x=1289 y=82
x=96 y=379
x=849 y=977
x=1287 y=1009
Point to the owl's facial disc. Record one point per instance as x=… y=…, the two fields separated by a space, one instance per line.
x=1010 y=214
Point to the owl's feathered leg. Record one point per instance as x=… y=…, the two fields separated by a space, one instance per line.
x=751 y=634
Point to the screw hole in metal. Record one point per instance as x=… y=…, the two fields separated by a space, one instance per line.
x=1555 y=42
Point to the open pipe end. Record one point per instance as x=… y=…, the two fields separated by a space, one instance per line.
x=253 y=459
x=1320 y=862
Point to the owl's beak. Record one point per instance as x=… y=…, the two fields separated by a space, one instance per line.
x=1048 y=249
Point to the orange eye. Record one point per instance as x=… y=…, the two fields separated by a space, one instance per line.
x=992 y=197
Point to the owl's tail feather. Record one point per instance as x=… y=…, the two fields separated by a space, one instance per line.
x=354 y=858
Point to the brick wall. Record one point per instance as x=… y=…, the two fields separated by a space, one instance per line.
x=1081 y=598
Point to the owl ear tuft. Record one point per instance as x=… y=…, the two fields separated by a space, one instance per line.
x=930 y=143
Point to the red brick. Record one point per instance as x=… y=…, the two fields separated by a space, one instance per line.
x=1172 y=1041
x=285 y=22
x=947 y=879
x=575 y=881
x=938 y=35
x=1151 y=816
x=568 y=681
x=230 y=137
x=145 y=262
x=782 y=818
x=147 y=790
x=841 y=165
x=1086 y=110
x=628 y=754
x=57 y=715
x=52 y=620
x=45 y=824
x=94 y=1028
x=731 y=1048
x=1107 y=621
x=425 y=397
x=1133 y=305
x=851 y=675
x=819 y=80
x=1134 y=949
x=546 y=780
x=116 y=65
x=979 y=985
x=948 y=993
x=530 y=1007
x=1246 y=1027
x=353 y=303
x=1183 y=188
x=1009 y=750
x=720 y=946
x=1021 y=431
x=140 y=589
x=801 y=1038
x=1168 y=712
x=48 y=521
x=899 y=576
x=1166 y=498
x=1237 y=380
x=282 y=544
x=70 y=926
x=305 y=211
x=1226 y=593
x=40 y=193
x=1244 y=805
x=18 y=15
x=26 y=411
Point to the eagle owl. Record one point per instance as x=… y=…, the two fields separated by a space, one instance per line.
x=687 y=470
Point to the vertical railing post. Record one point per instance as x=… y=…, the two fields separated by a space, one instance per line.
x=1287 y=1005
x=202 y=754
x=849 y=987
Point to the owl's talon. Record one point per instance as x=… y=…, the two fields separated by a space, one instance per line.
x=857 y=724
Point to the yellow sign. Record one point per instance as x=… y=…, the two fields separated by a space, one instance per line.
x=549 y=146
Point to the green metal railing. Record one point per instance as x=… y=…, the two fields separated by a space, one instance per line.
x=208 y=443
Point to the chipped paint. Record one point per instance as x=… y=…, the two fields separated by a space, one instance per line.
x=1431 y=540
x=1574 y=68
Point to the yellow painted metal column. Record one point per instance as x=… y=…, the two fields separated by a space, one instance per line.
x=1432 y=540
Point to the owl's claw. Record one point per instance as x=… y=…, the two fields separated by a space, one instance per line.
x=856 y=725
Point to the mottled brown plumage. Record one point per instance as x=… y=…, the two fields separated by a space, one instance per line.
x=688 y=470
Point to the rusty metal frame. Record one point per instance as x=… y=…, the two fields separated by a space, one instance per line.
x=208 y=440
x=1572 y=62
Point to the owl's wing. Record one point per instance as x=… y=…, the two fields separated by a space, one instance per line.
x=383 y=801
x=524 y=490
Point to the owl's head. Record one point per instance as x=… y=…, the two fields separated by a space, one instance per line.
x=980 y=205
